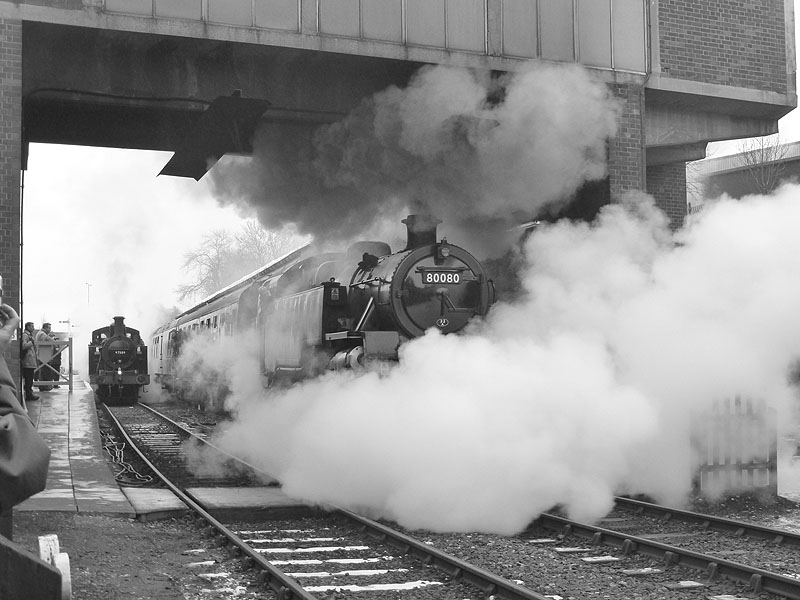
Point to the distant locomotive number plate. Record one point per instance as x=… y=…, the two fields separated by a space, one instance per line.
x=434 y=277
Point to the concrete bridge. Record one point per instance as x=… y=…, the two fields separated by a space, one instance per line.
x=138 y=74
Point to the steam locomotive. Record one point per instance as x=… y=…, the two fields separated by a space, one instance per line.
x=117 y=363
x=313 y=312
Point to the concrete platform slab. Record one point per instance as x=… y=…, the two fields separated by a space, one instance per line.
x=152 y=504
x=248 y=502
x=79 y=478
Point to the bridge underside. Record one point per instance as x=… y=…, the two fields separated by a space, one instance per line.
x=199 y=98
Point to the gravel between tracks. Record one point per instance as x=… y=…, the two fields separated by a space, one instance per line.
x=124 y=559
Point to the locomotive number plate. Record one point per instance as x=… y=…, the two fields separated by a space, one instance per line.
x=439 y=277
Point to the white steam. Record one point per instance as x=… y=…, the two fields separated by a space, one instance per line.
x=586 y=385
x=584 y=388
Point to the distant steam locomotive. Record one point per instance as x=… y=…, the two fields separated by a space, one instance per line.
x=117 y=363
x=314 y=312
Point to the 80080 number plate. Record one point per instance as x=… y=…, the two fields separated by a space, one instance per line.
x=438 y=277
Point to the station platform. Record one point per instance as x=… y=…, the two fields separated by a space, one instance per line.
x=81 y=480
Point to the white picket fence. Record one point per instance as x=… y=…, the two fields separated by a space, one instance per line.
x=736 y=443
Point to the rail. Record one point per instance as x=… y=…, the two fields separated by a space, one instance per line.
x=279 y=583
x=759 y=580
x=711 y=522
x=284 y=585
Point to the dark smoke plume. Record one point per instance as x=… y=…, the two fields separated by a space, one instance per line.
x=444 y=145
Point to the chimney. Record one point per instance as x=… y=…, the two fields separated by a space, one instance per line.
x=421 y=230
x=119 y=327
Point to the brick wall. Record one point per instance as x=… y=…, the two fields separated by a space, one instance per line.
x=626 y=168
x=727 y=42
x=625 y=160
x=10 y=163
x=667 y=184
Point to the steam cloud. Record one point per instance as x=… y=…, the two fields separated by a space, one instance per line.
x=465 y=148
x=586 y=385
x=584 y=389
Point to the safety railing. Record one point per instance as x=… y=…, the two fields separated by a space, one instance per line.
x=49 y=374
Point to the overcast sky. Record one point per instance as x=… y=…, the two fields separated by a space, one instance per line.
x=103 y=235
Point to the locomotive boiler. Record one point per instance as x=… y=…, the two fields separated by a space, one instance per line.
x=117 y=363
x=338 y=310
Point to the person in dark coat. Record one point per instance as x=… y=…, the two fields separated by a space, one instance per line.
x=24 y=472
x=55 y=362
x=9 y=321
x=30 y=360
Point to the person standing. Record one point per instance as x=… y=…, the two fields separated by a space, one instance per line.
x=55 y=362
x=29 y=361
x=45 y=351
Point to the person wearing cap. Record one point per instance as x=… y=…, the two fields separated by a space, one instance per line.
x=29 y=361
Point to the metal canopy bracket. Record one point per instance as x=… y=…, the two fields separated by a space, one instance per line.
x=227 y=125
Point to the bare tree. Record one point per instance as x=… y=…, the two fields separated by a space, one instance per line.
x=223 y=257
x=257 y=246
x=694 y=188
x=762 y=158
x=209 y=263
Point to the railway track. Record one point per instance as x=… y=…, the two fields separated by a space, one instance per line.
x=639 y=546
x=760 y=559
x=311 y=560
x=172 y=449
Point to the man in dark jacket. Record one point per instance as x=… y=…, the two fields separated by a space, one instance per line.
x=29 y=360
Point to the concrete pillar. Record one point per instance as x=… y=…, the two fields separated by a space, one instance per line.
x=10 y=165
